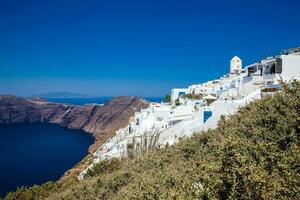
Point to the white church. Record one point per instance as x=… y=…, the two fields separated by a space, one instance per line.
x=235 y=65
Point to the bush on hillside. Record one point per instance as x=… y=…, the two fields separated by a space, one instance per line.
x=106 y=166
x=254 y=154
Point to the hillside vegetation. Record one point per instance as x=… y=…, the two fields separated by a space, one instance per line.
x=254 y=154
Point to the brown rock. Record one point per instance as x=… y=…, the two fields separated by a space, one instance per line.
x=101 y=121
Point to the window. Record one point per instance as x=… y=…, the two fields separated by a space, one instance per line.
x=278 y=66
x=181 y=94
x=206 y=115
x=272 y=69
x=251 y=70
x=130 y=130
x=260 y=68
x=267 y=70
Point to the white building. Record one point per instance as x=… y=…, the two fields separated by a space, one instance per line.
x=235 y=65
x=163 y=124
x=178 y=92
x=146 y=123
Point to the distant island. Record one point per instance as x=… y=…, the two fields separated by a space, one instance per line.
x=61 y=95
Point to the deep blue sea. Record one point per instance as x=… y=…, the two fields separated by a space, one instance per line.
x=154 y=99
x=33 y=153
x=98 y=100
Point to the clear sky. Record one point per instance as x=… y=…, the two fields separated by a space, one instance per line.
x=142 y=47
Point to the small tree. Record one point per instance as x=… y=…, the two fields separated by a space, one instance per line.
x=167 y=98
x=177 y=102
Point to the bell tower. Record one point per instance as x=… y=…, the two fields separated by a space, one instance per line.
x=235 y=65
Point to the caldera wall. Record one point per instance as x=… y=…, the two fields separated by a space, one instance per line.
x=101 y=121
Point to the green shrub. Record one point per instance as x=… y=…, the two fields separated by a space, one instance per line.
x=177 y=102
x=167 y=98
x=254 y=154
x=106 y=166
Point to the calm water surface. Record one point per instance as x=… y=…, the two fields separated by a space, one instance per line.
x=33 y=153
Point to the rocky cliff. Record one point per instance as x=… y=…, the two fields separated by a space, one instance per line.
x=101 y=121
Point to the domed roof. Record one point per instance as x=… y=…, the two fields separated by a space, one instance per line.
x=235 y=58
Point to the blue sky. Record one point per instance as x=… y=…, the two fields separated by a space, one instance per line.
x=145 y=48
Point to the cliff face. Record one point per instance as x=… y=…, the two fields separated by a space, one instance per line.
x=101 y=121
